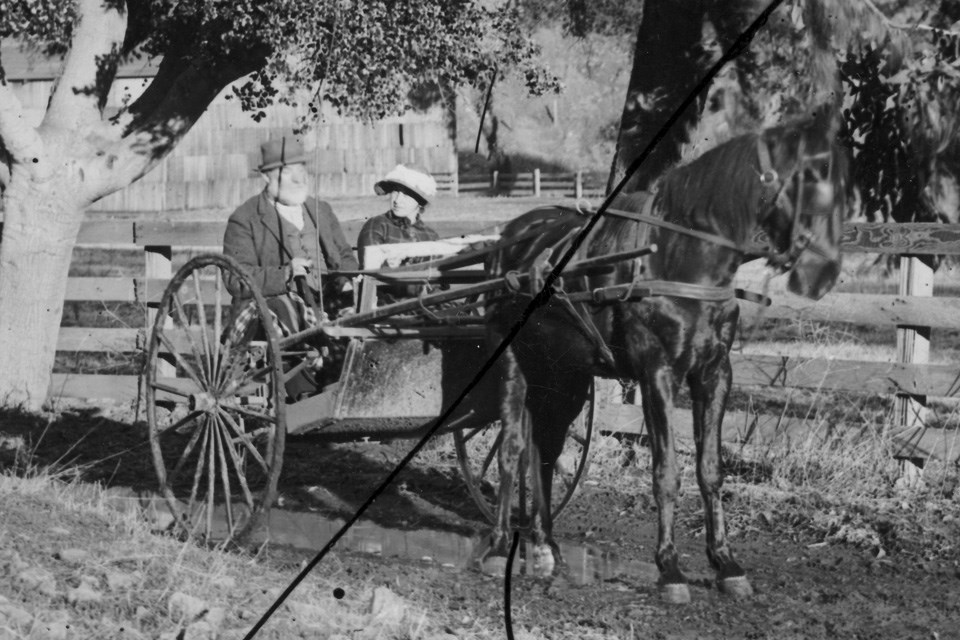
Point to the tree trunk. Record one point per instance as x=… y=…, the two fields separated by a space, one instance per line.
x=74 y=157
x=669 y=61
x=666 y=66
x=41 y=224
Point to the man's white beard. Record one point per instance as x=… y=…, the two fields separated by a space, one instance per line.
x=291 y=195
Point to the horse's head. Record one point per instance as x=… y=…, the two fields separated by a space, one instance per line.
x=803 y=185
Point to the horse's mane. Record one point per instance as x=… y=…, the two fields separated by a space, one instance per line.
x=720 y=190
x=717 y=192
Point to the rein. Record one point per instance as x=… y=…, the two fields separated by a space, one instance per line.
x=639 y=289
x=770 y=178
x=782 y=261
x=663 y=224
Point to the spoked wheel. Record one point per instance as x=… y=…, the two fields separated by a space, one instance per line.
x=215 y=403
x=478 y=450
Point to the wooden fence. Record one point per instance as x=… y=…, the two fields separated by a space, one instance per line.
x=577 y=184
x=911 y=313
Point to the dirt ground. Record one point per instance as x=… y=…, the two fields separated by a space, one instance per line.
x=804 y=587
x=807 y=585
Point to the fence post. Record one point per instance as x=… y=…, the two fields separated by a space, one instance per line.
x=494 y=179
x=578 y=184
x=536 y=183
x=455 y=184
x=913 y=346
x=159 y=265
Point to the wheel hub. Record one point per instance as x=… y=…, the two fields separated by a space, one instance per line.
x=204 y=402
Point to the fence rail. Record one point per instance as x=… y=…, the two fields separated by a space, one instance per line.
x=912 y=379
x=535 y=183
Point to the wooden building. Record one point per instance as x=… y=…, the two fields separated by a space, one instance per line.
x=213 y=168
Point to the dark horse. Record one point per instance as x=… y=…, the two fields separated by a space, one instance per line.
x=668 y=317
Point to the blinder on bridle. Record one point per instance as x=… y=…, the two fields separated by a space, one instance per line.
x=801 y=240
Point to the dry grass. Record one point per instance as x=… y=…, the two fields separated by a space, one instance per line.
x=841 y=487
x=145 y=585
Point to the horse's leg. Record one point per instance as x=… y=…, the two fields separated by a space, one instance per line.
x=513 y=396
x=657 y=387
x=709 y=389
x=551 y=413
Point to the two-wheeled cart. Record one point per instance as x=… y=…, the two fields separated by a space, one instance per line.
x=220 y=417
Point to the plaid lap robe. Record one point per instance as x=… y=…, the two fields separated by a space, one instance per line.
x=298 y=311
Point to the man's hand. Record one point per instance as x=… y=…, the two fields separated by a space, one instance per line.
x=299 y=267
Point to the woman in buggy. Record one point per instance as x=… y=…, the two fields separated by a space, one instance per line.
x=411 y=188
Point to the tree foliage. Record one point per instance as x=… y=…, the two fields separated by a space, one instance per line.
x=361 y=56
x=890 y=67
x=581 y=18
x=899 y=70
x=901 y=114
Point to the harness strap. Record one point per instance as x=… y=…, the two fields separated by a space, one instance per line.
x=647 y=288
x=635 y=291
x=676 y=228
x=539 y=265
x=582 y=315
x=768 y=175
x=752 y=296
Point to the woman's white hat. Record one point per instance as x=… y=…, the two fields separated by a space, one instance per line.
x=413 y=179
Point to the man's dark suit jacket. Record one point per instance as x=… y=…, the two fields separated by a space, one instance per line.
x=254 y=238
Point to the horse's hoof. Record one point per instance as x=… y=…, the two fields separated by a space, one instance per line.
x=542 y=562
x=675 y=593
x=738 y=587
x=494 y=566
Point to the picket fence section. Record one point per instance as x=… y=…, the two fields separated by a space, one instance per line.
x=912 y=313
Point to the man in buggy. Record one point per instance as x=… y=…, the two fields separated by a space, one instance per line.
x=289 y=242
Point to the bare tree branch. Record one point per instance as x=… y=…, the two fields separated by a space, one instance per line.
x=162 y=116
x=132 y=117
x=81 y=92
x=139 y=24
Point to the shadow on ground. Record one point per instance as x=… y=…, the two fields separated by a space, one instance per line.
x=330 y=479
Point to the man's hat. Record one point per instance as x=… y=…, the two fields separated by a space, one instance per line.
x=414 y=180
x=277 y=153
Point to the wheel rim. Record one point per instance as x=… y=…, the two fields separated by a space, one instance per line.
x=217 y=430
x=477 y=449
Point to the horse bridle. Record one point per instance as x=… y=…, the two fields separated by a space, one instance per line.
x=800 y=240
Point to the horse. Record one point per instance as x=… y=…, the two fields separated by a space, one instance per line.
x=658 y=319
